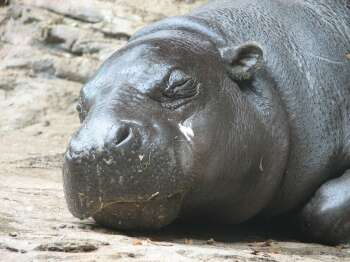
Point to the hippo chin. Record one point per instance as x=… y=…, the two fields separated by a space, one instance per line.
x=238 y=110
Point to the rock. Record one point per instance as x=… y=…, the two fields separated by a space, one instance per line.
x=137 y=242
x=85 y=11
x=4 y=2
x=77 y=41
x=210 y=241
x=43 y=67
x=11 y=248
x=13 y=234
x=187 y=1
x=15 y=11
x=27 y=15
x=46 y=96
x=7 y=83
x=15 y=63
x=78 y=69
x=118 y=28
x=90 y=47
x=72 y=246
x=59 y=34
x=13 y=32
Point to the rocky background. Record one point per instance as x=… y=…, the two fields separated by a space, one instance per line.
x=48 y=49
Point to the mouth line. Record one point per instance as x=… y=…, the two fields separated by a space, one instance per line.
x=154 y=196
x=150 y=199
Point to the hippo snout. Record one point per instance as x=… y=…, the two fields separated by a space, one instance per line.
x=90 y=144
x=124 y=175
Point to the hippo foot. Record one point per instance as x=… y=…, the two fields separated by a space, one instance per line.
x=326 y=217
x=147 y=215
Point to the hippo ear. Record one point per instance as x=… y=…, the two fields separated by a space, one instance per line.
x=243 y=61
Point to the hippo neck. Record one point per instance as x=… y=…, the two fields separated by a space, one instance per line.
x=262 y=93
x=255 y=155
x=270 y=151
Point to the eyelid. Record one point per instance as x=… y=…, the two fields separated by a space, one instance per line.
x=177 y=77
x=179 y=82
x=173 y=104
x=185 y=89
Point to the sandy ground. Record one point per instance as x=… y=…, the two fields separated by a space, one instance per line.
x=47 y=50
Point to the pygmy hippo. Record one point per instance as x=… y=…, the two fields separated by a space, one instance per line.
x=237 y=110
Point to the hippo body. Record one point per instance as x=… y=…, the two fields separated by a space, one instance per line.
x=238 y=110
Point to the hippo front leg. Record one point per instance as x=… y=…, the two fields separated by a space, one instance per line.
x=326 y=217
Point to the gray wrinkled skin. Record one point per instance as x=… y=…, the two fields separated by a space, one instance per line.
x=235 y=111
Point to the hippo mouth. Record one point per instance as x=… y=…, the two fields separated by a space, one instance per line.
x=149 y=213
x=146 y=214
x=85 y=208
x=121 y=205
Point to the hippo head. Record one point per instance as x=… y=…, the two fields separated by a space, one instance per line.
x=154 y=123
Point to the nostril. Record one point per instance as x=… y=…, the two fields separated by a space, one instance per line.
x=123 y=133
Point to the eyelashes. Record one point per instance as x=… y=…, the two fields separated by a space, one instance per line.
x=180 y=93
x=181 y=89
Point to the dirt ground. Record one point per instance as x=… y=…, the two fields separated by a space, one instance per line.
x=47 y=50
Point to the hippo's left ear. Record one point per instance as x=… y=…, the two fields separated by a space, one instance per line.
x=242 y=61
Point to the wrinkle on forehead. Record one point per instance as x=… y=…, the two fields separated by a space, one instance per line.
x=126 y=103
x=141 y=67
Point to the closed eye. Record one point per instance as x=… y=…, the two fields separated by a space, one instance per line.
x=181 y=89
x=178 y=95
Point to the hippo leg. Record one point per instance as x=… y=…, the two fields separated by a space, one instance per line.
x=326 y=217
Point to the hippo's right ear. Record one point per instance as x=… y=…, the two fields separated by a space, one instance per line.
x=243 y=61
